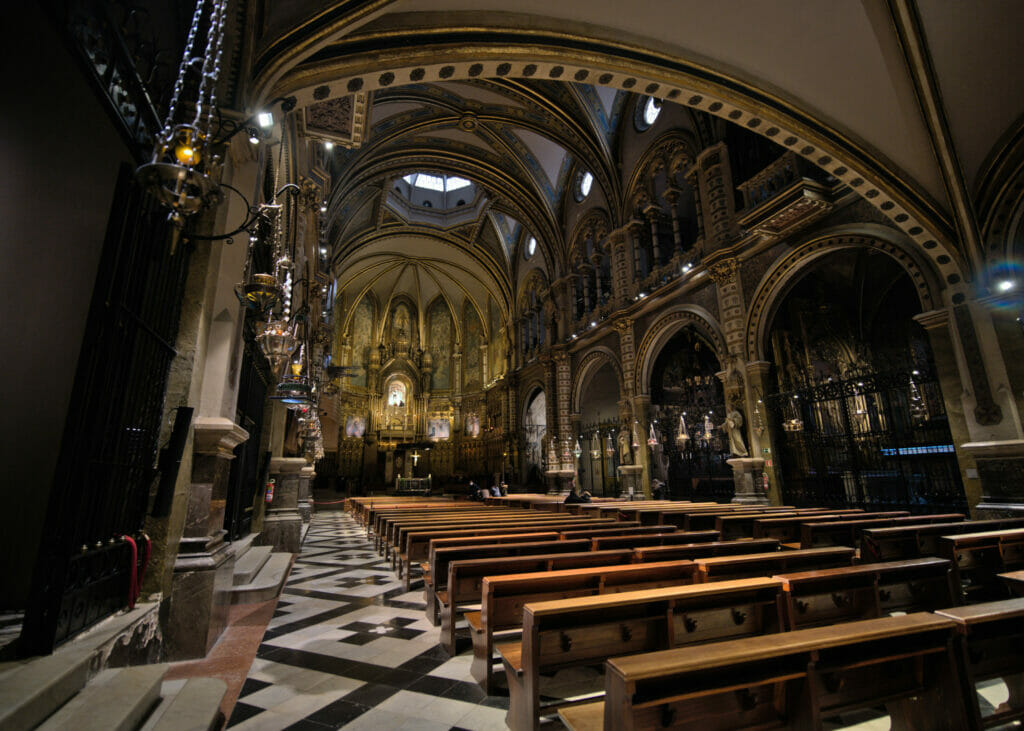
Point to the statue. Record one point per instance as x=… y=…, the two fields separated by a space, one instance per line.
x=625 y=452
x=733 y=426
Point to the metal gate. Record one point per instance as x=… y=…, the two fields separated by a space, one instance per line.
x=697 y=468
x=109 y=448
x=250 y=467
x=876 y=440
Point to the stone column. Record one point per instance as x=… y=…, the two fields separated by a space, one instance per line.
x=641 y=426
x=716 y=200
x=282 y=527
x=762 y=436
x=672 y=195
x=305 y=497
x=203 y=571
x=621 y=267
x=651 y=213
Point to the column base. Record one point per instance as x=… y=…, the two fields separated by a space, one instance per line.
x=560 y=481
x=746 y=474
x=196 y=613
x=282 y=530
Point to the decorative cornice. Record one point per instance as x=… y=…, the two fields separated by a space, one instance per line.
x=217 y=435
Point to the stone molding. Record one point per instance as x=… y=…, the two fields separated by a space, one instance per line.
x=217 y=436
x=284 y=465
x=995 y=450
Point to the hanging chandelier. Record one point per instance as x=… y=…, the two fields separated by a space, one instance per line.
x=278 y=342
x=183 y=171
x=652 y=440
x=682 y=437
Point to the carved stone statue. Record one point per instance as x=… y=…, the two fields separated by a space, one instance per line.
x=733 y=426
x=625 y=452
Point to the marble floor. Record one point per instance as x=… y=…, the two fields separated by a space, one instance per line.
x=347 y=647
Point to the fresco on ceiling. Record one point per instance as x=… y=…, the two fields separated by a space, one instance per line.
x=496 y=351
x=471 y=364
x=362 y=337
x=439 y=323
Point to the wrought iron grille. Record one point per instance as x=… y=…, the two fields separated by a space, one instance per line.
x=110 y=442
x=875 y=440
x=249 y=468
x=697 y=471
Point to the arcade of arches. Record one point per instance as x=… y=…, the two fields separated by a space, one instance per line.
x=549 y=241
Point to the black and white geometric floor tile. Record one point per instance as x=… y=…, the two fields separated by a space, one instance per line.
x=349 y=648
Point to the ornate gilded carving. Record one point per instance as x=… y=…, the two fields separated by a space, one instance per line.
x=724 y=272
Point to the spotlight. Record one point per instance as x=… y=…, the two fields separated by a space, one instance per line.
x=328 y=145
x=254 y=135
x=266 y=120
x=1006 y=285
x=593 y=323
x=323 y=207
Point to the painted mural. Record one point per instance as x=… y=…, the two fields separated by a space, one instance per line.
x=439 y=323
x=362 y=337
x=471 y=370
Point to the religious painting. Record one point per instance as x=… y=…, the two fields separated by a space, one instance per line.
x=362 y=335
x=355 y=426
x=438 y=429
x=472 y=425
x=439 y=323
x=471 y=376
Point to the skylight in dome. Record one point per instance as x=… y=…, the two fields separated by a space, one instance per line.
x=439 y=183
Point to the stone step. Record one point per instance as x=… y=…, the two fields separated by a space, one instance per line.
x=192 y=706
x=267 y=583
x=31 y=691
x=115 y=700
x=249 y=564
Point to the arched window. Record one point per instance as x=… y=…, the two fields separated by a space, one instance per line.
x=584 y=182
x=647 y=111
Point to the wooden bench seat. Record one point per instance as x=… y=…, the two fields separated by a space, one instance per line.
x=589 y=630
x=867 y=591
x=910 y=541
x=705 y=550
x=622 y=528
x=653 y=539
x=466 y=577
x=847 y=532
x=417 y=542
x=397 y=531
x=979 y=558
x=994 y=635
x=441 y=558
x=718 y=568
x=795 y=679
x=787 y=528
x=387 y=526
x=503 y=598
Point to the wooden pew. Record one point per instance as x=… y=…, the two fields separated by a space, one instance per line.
x=629 y=528
x=466 y=577
x=589 y=630
x=440 y=558
x=979 y=558
x=737 y=525
x=384 y=522
x=393 y=528
x=847 y=532
x=994 y=636
x=653 y=539
x=688 y=551
x=911 y=541
x=376 y=516
x=787 y=529
x=1014 y=581
x=718 y=568
x=416 y=543
x=421 y=543
x=792 y=680
x=866 y=591
x=504 y=596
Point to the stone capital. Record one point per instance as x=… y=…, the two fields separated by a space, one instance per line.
x=933 y=319
x=759 y=368
x=286 y=465
x=309 y=472
x=216 y=435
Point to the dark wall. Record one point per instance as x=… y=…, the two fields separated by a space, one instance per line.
x=60 y=154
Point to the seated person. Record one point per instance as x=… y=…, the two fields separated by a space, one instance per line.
x=474 y=491
x=495 y=491
x=573 y=497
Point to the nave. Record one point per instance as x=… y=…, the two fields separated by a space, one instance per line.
x=348 y=647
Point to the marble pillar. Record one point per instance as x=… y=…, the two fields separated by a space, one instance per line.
x=197 y=610
x=282 y=528
x=305 y=497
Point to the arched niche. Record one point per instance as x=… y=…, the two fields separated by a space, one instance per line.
x=598 y=410
x=535 y=424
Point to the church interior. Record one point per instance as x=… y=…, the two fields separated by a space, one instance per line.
x=686 y=334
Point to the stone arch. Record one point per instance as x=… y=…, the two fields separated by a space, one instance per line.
x=588 y=365
x=662 y=331
x=595 y=223
x=675 y=149
x=473 y=51
x=778 y=280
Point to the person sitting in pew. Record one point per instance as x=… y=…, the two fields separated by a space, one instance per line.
x=574 y=497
